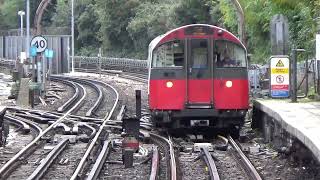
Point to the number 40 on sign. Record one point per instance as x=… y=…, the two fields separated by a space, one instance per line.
x=40 y=43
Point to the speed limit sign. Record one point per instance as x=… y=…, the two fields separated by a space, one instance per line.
x=40 y=43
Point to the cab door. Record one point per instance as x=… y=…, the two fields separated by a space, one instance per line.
x=199 y=73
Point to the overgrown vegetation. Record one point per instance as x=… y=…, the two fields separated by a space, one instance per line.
x=124 y=28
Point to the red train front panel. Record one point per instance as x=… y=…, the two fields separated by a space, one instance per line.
x=189 y=65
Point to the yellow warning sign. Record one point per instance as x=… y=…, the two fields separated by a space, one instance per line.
x=280 y=71
x=280 y=64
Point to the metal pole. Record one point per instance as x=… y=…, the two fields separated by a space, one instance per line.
x=28 y=28
x=44 y=73
x=50 y=69
x=99 y=56
x=21 y=25
x=138 y=104
x=72 y=36
x=294 y=76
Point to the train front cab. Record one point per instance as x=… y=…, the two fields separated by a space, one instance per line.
x=199 y=81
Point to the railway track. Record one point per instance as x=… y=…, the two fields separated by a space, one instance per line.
x=25 y=129
x=63 y=121
x=168 y=151
x=79 y=171
x=244 y=161
x=140 y=77
x=96 y=152
x=25 y=152
x=94 y=97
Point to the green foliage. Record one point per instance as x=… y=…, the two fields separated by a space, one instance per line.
x=9 y=17
x=228 y=18
x=61 y=18
x=124 y=28
x=114 y=17
x=151 y=19
x=195 y=11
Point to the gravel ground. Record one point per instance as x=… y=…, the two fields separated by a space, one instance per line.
x=53 y=104
x=228 y=167
x=280 y=166
x=72 y=154
x=274 y=165
x=88 y=102
x=126 y=89
x=117 y=171
x=271 y=165
x=15 y=142
x=190 y=168
x=194 y=168
x=29 y=165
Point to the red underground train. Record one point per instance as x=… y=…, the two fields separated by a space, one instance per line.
x=198 y=78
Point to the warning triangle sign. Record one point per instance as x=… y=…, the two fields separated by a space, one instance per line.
x=280 y=64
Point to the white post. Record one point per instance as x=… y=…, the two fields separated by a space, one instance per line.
x=99 y=57
x=44 y=72
x=28 y=28
x=72 y=36
x=317 y=56
x=21 y=19
x=21 y=14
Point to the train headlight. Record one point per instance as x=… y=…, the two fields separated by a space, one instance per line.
x=169 y=84
x=229 y=84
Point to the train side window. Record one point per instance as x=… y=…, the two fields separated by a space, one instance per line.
x=170 y=54
x=229 y=54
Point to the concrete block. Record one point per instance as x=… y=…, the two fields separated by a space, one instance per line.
x=23 y=96
x=197 y=146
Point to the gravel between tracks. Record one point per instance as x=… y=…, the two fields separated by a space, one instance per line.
x=15 y=142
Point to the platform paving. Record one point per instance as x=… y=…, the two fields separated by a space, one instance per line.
x=301 y=120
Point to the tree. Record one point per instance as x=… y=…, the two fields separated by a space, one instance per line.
x=8 y=13
x=114 y=17
x=88 y=27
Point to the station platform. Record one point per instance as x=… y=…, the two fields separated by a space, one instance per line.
x=300 y=120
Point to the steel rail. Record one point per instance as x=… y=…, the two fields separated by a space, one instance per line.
x=154 y=175
x=128 y=75
x=48 y=114
x=134 y=77
x=95 y=171
x=6 y=167
x=95 y=139
x=65 y=106
x=213 y=172
x=88 y=119
x=46 y=163
x=173 y=165
x=249 y=168
x=30 y=123
x=34 y=118
x=94 y=131
x=140 y=75
x=96 y=105
x=24 y=125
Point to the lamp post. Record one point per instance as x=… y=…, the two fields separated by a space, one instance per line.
x=28 y=27
x=72 y=36
x=21 y=14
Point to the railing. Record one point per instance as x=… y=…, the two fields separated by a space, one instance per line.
x=82 y=61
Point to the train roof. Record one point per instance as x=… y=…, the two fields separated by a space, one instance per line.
x=178 y=33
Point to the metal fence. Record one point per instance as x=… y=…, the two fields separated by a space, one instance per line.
x=306 y=77
x=11 y=46
x=111 y=63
